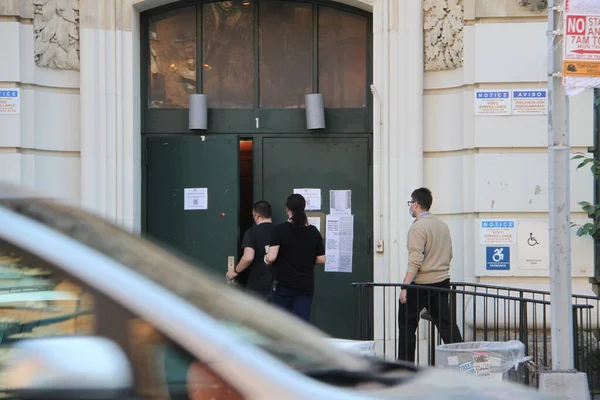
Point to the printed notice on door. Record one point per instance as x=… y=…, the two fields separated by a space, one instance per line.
x=312 y=197
x=316 y=222
x=339 y=237
x=195 y=199
x=340 y=202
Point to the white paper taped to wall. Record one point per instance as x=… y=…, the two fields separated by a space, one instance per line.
x=195 y=199
x=316 y=221
x=340 y=202
x=339 y=239
x=312 y=197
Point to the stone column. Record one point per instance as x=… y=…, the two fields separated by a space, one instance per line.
x=398 y=137
x=110 y=111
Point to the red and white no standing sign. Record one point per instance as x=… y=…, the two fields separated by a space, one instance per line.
x=582 y=45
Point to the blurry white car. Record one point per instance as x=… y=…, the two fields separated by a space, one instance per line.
x=89 y=311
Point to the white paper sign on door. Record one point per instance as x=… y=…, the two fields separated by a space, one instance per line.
x=316 y=221
x=195 y=199
x=340 y=202
x=339 y=237
x=312 y=197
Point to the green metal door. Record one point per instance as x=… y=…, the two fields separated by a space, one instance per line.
x=327 y=164
x=209 y=164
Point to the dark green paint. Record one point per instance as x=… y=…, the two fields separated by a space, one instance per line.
x=282 y=121
x=199 y=50
x=315 y=50
x=256 y=32
x=176 y=162
x=328 y=164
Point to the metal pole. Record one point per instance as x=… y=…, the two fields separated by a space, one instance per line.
x=559 y=203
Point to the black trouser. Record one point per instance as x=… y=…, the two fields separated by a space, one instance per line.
x=436 y=302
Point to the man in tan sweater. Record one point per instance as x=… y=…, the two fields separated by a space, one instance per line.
x=429 y=253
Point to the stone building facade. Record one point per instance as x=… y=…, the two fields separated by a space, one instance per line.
x=77 y=137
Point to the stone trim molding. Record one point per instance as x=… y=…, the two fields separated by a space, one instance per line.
x=443 y=22
x=56 y=33
x=16 y=8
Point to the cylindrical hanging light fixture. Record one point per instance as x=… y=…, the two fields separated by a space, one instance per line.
x=315 y=112
x=198 y=111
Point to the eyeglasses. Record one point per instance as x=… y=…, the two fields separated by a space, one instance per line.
x=410 y=202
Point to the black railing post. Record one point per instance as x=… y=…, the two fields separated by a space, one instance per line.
x=523 y=331
x=370 y=312
x=384 y=323
x=575 y=339
x=431 y=343
x=359 y=314
x=453 y=308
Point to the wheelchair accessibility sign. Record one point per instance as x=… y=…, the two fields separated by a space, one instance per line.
x=497 y=258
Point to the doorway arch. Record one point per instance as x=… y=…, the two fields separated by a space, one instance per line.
x=255 y=60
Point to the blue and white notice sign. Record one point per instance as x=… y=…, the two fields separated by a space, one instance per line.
x=498 y=232
x=497 y=258
x=492 y=102
x=530 y=101
x=10 y=101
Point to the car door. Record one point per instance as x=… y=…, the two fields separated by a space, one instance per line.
x=39 y=299
x=161 y=310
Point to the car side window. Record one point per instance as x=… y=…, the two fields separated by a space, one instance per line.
x=35 y=301
x=165 y=371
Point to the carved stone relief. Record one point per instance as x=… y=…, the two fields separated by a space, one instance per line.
x=56 y=32
x=534 y=5
x=443 y=34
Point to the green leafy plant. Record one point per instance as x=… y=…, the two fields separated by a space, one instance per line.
x=592 y=228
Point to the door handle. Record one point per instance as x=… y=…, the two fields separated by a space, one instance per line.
x=230 y=268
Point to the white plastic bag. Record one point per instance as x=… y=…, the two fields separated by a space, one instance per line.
x=481 y=358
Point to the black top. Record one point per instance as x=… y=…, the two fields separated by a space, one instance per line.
x=298 y=249
x=259 y=274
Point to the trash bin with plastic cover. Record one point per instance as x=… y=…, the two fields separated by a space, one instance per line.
x=489 y=359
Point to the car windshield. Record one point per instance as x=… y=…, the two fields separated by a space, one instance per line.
x=280 y=334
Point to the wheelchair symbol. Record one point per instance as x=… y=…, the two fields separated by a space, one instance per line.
x=498 y=255
x=532 y=241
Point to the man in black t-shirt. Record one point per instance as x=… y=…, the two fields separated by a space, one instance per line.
x=254 y=244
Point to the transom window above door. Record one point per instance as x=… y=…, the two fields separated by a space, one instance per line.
x=249 y=54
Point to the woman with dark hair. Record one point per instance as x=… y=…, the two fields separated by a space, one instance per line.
x=295 y=248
